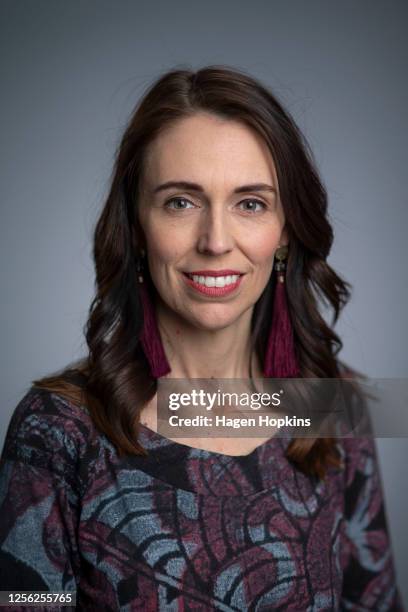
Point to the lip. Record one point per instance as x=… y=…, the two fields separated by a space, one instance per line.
x=213 y=291
x=215 y=272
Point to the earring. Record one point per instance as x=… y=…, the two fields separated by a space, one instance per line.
x=139 y=266
x=150 y=336
x=280 y=358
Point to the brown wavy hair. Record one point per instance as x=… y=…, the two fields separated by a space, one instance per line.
x=114 y=379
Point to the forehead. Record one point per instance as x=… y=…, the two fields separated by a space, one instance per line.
x=205 y=147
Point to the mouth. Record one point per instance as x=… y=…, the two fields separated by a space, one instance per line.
x=214 y=283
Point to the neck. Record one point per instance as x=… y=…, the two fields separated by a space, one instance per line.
x=198 y=353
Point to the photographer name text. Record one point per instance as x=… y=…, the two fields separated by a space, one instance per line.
x=238 y=422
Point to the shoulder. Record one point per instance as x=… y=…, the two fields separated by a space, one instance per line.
x=360 y=460
x=50 y=431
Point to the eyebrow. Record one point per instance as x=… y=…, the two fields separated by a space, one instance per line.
x=199 y=188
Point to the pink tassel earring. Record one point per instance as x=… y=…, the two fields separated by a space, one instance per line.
x=280 y=359
x=151 y=340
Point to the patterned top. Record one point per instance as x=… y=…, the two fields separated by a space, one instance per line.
x=184 y=528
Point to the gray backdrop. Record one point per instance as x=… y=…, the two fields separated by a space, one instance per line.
x=72 y=71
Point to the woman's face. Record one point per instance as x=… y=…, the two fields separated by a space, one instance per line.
x=219 y=230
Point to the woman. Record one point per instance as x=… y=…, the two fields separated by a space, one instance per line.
x=210 y=260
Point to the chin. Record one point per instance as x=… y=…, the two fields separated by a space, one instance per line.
x=214 y=321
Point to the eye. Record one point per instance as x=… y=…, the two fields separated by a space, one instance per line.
x=179 y=204
x=253 y=203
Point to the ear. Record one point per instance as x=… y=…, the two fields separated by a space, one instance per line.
x=284 y=237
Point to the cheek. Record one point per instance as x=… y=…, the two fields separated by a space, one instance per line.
x=162 y=245
x=262 y=247
x=163 y=259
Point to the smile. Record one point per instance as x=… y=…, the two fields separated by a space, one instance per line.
x=213 y=285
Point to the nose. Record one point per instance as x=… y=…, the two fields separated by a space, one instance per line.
x=215 y=237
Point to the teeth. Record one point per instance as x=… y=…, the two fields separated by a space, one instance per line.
x=215 y=281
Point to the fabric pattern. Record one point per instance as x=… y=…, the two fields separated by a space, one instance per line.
x=183 y=528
